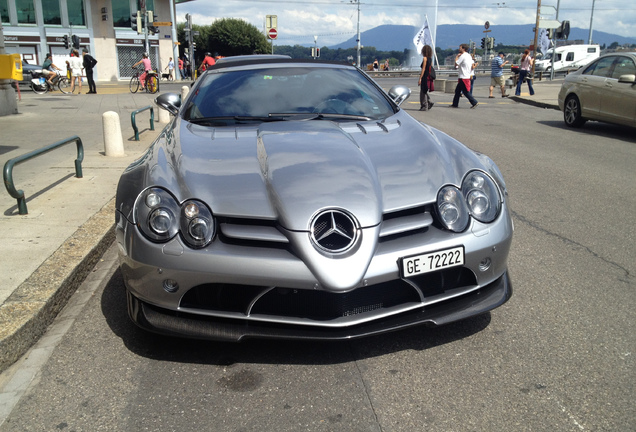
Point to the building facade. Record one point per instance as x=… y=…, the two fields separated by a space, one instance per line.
x=33 y=28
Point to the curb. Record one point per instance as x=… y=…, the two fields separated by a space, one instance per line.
x=27 y=313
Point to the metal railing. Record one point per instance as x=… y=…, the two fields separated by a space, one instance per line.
x=134 y=121
x=8 y=168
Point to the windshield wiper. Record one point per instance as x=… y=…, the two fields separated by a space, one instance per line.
x=320 y=116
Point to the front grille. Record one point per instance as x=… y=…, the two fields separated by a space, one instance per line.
x=321 y=305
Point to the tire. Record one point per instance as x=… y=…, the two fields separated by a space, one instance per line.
x=572 y=112
x=64 y=85
x=134 y=84
x=152 y=85
x=39 y=89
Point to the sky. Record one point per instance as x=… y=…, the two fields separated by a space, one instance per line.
x=335 y=21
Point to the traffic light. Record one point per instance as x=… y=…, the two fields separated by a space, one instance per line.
x=135 y=23
x=491 y=42
x=472 y=46
x=151 y=19
x=483 y=42
x=563 y=31
x=76 y=41
x=317 y=52
x=66 y=44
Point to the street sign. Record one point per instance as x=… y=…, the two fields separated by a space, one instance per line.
x=272 y=33
x=487 y=25
x=157 y=24
x=548 y=23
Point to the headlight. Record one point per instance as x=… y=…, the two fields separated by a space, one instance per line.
x=160 y=217
x=482 y=196
x=156 y=214
x=197 y=223
x=451 y=208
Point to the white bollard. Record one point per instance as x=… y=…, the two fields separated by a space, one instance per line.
x=184 y=92
x=164 y=116
x=113 y=142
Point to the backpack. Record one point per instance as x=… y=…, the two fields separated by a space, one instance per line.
x=431 y=71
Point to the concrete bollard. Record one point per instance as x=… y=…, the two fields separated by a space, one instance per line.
x=184 y=92
x=164 y=116
x=113 y=141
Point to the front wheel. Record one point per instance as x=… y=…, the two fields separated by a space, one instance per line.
x=152 y=85
x=572 y=112
x=64 y=85
x=134 y=84
x=39 y=88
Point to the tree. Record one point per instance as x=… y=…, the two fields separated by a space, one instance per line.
x=231 y=37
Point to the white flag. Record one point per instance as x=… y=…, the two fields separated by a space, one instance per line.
x=423 y=37
x=544 y=41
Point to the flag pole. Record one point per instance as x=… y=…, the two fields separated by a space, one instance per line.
x=433 y=41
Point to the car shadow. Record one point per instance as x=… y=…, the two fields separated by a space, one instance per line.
x=165 y=348
x=604 y=130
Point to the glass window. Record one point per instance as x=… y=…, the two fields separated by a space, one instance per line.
x=51 y=12
x=623 y=66
x=76 y=16
x=263 y=93
x=121 y=13
x=4 y=11
x=600 y=67
x=570 y=57
x=26 y=11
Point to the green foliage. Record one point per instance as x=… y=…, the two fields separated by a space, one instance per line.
x=231 y=37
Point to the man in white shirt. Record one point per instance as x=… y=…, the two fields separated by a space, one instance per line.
x=464 y=65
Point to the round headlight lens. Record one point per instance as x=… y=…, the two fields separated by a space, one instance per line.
x=451 y=208
x=482 y=196
x=160 y=221
x=156 y=213
x=197 y=224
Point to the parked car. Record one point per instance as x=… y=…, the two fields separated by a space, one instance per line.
x=604 y=90
x=295 y=199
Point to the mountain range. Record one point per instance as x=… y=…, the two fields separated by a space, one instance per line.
x=400 y=37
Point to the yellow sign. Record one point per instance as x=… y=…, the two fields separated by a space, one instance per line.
x=157 y=24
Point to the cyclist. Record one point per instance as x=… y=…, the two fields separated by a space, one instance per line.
x=147 y=67
x=207 y=61
x=48 y=69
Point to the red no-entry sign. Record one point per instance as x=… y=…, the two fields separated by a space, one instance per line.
x=272 y=33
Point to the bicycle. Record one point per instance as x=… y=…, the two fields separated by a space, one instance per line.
x=40 y=85
x=151 y=85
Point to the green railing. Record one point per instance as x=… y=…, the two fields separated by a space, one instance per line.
x=134 y=121
x=8 y=168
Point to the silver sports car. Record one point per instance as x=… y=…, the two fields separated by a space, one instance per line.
x=294 y=199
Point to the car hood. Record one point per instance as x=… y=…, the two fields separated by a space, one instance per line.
x=288 y=171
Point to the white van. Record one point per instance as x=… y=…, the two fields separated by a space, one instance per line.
x=567 y=57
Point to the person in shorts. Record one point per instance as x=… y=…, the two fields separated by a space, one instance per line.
x=48 y=69
x=76 y=70
x=496 y=74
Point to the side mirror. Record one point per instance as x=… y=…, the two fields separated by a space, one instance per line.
x=399 y=93
x=631 y=79
x=171 y=102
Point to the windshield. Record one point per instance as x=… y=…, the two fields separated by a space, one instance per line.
x=279 y=93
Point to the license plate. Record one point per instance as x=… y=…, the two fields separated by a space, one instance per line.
x=432 y=261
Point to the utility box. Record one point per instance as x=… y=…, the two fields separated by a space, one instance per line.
x=11 y=67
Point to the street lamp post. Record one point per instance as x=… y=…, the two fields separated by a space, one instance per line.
x=358 y=38
x=591 y=19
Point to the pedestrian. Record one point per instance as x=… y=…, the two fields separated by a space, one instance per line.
x=464 y=63
x=386 y=65
x=170 y=68
x=524 y=71
x=181 y=68
x=496 y=74
x=187 y=67
x=76 y=71
x=376 y=65
x=89 y=63
x=427 y=64
x=472 y=73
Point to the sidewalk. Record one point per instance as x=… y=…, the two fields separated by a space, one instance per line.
x=48 y=252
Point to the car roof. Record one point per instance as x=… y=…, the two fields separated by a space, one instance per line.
x=270 y=59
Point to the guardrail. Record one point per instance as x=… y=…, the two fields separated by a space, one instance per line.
x=8 y=168
x=134 y=121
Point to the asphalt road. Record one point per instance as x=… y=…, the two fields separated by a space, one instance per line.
x=559 y=356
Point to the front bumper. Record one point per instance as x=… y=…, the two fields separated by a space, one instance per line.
x=181 y=324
